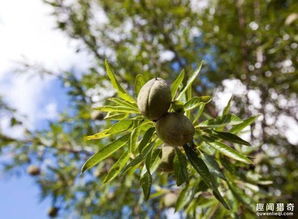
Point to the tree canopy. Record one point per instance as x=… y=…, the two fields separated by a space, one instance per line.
x=251 y=42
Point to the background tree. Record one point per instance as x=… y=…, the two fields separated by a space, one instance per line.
x=252 y=41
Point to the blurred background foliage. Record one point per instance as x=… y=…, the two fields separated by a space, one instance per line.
x=251 y=42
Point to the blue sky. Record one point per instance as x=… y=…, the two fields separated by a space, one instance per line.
x=19 y=199
x=27 y=34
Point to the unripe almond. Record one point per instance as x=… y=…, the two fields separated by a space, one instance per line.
x=154 y=99
x=33 y=170
x=175 y=129
x=53 y=212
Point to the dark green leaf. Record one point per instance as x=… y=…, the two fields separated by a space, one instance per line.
x=105 y=152
x=231 y=137
x=147 y=136
x=203 y=170
x=146 y=182
x=180 y=167
x=213 y=165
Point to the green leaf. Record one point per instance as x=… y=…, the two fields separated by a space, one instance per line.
x=227 y=107
x=148 y=161
x=183 y=198
x=139 y=82
x=228 y=151
x=241 y=196
x=213 y=166
x=116 y=168
x=237 y=128
x=195 y=102
x=119 y=109
x=221 y=121
x=115 y=116
x=121 y=102
x=180 y=168
x=155 y=160
x=133 y=139
x=198 y=165
x=146 y=182
x=121 y=92
x=118 y=127
x=147 y=136
x=231 y=137
x=190 y=81
x=175 y=85
x=138 y=159
x=203 y=170
x=199 y=112
x=105 y=152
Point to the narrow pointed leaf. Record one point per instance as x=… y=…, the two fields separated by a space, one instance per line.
x=237 y=128
x=203 y=170
x=139 y=82
x=116 y=168
x=180 y=168
x=228 y=151
x=105 y=152
x=229 y=119
x=199 y=113
x=118 y=127
x=115 y=116
x=227 y=107
x=183 y=198
x=213 y=166
x=147 y=136
x=146 y=182
x=138 y=159
x=124 y=103
x=133 y=139
x=190 y=81
x=195 y=102
x=121 y=92
x=231 y=137
x=119 y=109
x=175 y=85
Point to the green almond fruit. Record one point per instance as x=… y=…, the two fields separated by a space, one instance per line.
x=154 y=99
x=175 y=129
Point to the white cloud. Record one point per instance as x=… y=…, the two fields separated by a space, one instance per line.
x=27 y=31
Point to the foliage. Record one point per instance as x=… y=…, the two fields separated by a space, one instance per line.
x=252 y=42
